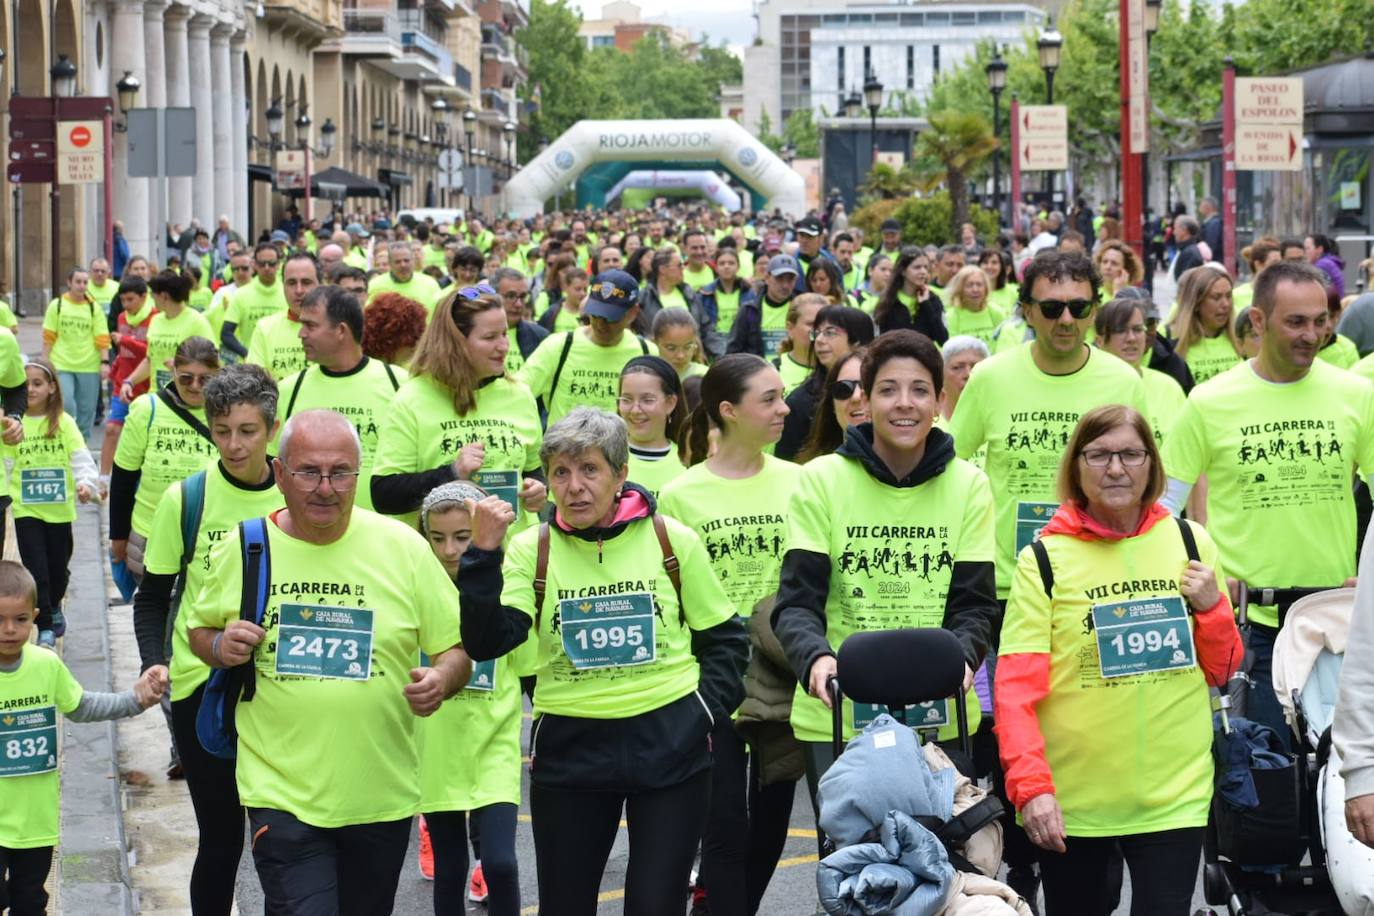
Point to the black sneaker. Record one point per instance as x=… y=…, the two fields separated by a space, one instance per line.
x=1026 y=883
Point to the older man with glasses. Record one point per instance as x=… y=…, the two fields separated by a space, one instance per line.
x=525 y=335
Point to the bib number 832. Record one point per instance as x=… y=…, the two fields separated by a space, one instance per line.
x=18 y=748
x=612 y=636
x=1137 y=643
x=323 y=647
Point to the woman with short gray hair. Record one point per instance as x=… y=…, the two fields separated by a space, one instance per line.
x=639 y=655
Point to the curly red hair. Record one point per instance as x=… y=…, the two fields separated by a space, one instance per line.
x=392 y=324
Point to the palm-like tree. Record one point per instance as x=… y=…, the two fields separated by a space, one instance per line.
x=886 y=183
x=957 y=143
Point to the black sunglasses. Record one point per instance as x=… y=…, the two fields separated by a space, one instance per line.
x=844 y=389
x=1052 y=309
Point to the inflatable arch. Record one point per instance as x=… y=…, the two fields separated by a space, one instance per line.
x=711 y=185
x=687 y=141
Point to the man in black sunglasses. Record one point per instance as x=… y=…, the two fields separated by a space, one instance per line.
x=1023 y=405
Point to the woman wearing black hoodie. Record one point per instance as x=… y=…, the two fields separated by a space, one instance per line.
x=890 y=531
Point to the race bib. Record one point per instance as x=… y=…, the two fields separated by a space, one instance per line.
x=42 y=486
x=483 y=676
x=327 y=642
x=28 y=742
x=772 y=340
x=1144 y=635
x=609 y=631
x=931 y=714
x=1030 y=518
x=505 y=484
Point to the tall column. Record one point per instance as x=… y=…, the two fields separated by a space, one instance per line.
x=178 y=96
x=220 y=78
x=154 y=95
x=202 y=95
x=130 y=194
x=238 y=103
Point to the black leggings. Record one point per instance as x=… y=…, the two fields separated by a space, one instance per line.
x=219 y=816
x=1163 y=868
x=747 y=829
x=448 y=833
x=23 y=873
x=574 y=830
x=46 y=549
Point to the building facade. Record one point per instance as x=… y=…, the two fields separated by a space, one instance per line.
x=810 y=54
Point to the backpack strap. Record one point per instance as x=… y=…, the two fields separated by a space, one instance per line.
x=184 y=415
x=670 y=564
x=1042 y=559
x=558 y=370
x=192 y=508
x=541 y=572
x=257 y=578
x=644 y=345
x=295 y=391
x=1185 y=531
x=391 y=374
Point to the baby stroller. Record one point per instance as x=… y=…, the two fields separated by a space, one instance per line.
x=910 y=672
x=1292 y=852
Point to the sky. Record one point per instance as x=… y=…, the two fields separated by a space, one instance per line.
x=731 y=20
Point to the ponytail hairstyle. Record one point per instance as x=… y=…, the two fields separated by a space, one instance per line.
x=726 y=380
x=669 y=383
x=442 y=352
x=53 y=409
x=794 y=314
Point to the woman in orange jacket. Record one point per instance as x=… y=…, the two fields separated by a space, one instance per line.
x=1117 y=621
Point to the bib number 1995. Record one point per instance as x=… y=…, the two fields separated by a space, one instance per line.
x=610 y=631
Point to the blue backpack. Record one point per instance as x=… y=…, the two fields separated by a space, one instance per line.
x=215 y=723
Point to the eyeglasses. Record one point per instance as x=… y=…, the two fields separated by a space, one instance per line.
x=513 y=296
x=829 y=332
x=1052 y=309
x=645 y=403
x=341 y=481
x=476 y=292
x=243 y=267
x=844 y=389
x=1101 y=457
x=266 y=263
x=189 y=379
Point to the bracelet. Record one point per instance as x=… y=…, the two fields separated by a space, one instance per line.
x=214 y=647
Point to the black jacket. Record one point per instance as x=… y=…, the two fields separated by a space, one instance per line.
x=527 y=337
x=712 y=341
x=1164 y=359
x=797 y=426
x=929 y=320
x=971 y=609
x=747 y=334
x=1188 y=257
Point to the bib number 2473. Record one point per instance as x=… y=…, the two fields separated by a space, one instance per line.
x=326 y=642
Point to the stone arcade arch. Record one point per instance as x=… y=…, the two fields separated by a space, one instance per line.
x=685 y=142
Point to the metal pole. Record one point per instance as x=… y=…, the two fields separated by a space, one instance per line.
x=55 y=195
x=872 y=136
x=1228 y=166
x=1132 y=224
x=1049 y=176
x=997 y=155
x=1014 y=192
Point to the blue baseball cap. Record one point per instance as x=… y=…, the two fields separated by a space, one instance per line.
x=611 y=295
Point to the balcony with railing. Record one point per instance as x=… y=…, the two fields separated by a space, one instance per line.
x=371 y=30
x=420 y=45
x=320 y=19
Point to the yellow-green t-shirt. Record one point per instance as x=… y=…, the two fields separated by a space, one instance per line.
x=421 y=287
x=1210 y=356
x=793 y=373
x=1154 y=728
x=1010 y=335
x=78 y=333
x=251 y=304
x=727 y=307
x=980 y=324
x=653 y=473
x=11 y=362
x=7 y=319
x=565 y=320
x=421 y=432
x=772 y=326
x=1242 y=296
x=103 y=293
x=1005 y=298
x=1341 y=352
x=1365 y=367
x=696 y=279
x=673 y=299
x=434 y=257
x=1278 y=458
x=166 y=334
x=164 y=448
x=227 y=502
x=591 y=373
x=276 y=345
x=1025 y=418
x=41 y=480
x=31 y=697
x=626 y=570
x=363 y=395
x=742 y=524
x=381 y=579
x=1165 y=398
x=892 y=552
x=515 y=360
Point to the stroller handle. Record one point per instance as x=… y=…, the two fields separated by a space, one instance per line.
x=1282 y=596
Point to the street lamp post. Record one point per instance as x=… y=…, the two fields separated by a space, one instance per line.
x=997 y=81
x=469 y=124
x=873 y=100
x=509 y=130
x=1049 y=45
x=128 y=88
x=853 y=107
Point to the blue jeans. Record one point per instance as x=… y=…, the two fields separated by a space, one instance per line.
x=80 y=391
x=1262 y=704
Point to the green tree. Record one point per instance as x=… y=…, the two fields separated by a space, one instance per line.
x=1275 y=36
x=957 y=143
x=801 y=131
x=764 y=131
x=558 y=67
x=886 y=183
x=719 y=64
